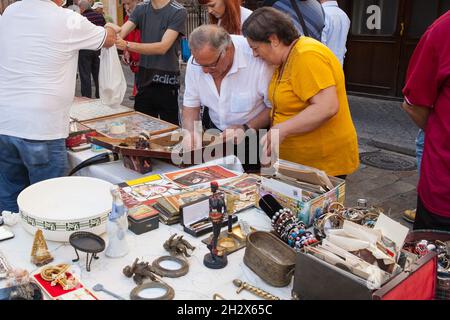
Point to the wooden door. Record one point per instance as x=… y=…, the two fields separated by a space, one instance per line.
x=373 y=46
x=377 y=59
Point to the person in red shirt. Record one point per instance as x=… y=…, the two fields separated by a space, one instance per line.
x=132 y=58
x=427 y=102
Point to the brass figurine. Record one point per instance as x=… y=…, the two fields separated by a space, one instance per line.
x=259 y=292
x=217 y=257
x=145 y=276
x=140 y=271
x=39 y=253
x=178 y=246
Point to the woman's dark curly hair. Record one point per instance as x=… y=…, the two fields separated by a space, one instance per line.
x=266 y=21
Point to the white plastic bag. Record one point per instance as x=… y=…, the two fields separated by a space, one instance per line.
x=112 y=82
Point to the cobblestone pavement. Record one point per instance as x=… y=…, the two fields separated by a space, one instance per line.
x=380 y=127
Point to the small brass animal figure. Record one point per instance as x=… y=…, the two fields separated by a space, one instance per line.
x=140 y=271
x=177 y=245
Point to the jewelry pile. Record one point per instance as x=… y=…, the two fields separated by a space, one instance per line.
x=336 y=213
x=292 y=231
x=422 y=247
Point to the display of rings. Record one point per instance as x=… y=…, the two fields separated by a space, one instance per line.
x=335 y=207
x=176 y=273
x=335 y=219
x=168 y=295
x=370 y=219
x=352 y=214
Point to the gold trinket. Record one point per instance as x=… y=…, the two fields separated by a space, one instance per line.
x=217 y=296
x=57 y=275
x=39 y=253
x=259 y=292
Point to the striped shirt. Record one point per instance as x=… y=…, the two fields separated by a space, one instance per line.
x=337 y=25
x=94 y=17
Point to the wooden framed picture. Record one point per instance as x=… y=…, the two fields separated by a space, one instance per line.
x=84 y=109
x=133 y=123
x=191 y=177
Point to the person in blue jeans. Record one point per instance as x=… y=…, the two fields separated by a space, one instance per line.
x=420 y=140
x=37 y=85
x=410 y=215
x=24 y=162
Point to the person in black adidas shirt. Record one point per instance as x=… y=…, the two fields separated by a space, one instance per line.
x=162 y=23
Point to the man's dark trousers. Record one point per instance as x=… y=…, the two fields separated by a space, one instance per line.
x=88 y=63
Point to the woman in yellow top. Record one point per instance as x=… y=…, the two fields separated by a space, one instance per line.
x=307 y=92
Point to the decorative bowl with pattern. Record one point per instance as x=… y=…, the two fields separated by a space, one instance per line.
x=61 y=206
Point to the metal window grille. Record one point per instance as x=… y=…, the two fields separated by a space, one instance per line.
x=197 y=15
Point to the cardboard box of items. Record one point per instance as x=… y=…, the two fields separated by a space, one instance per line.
x=358 y=262
x=306 y=191
x=315 y=279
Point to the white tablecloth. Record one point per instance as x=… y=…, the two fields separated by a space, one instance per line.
x=115 y=172
x=199 y=283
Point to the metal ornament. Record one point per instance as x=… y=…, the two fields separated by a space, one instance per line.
x=216 y=259
x=87 y=242
x=178 y=246
x=168 y=295
x=99 y=287
x=40 y=255
x=57 y=275
x=259 y=292
x=140 y=271
x=163 y=272
x=217 y=296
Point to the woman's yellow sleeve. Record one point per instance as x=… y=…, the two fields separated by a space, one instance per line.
x=311 y=73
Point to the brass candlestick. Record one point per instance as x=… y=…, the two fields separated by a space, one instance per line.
x=259 y=292
x=229 y=243
x=231 y=199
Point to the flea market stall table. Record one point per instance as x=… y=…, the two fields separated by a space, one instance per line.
x=200 y=283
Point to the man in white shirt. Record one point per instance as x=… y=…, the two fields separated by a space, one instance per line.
x=38 y=66
x=226 y=79
x=337 y=25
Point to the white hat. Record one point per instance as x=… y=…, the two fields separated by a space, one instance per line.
x=97 y=5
